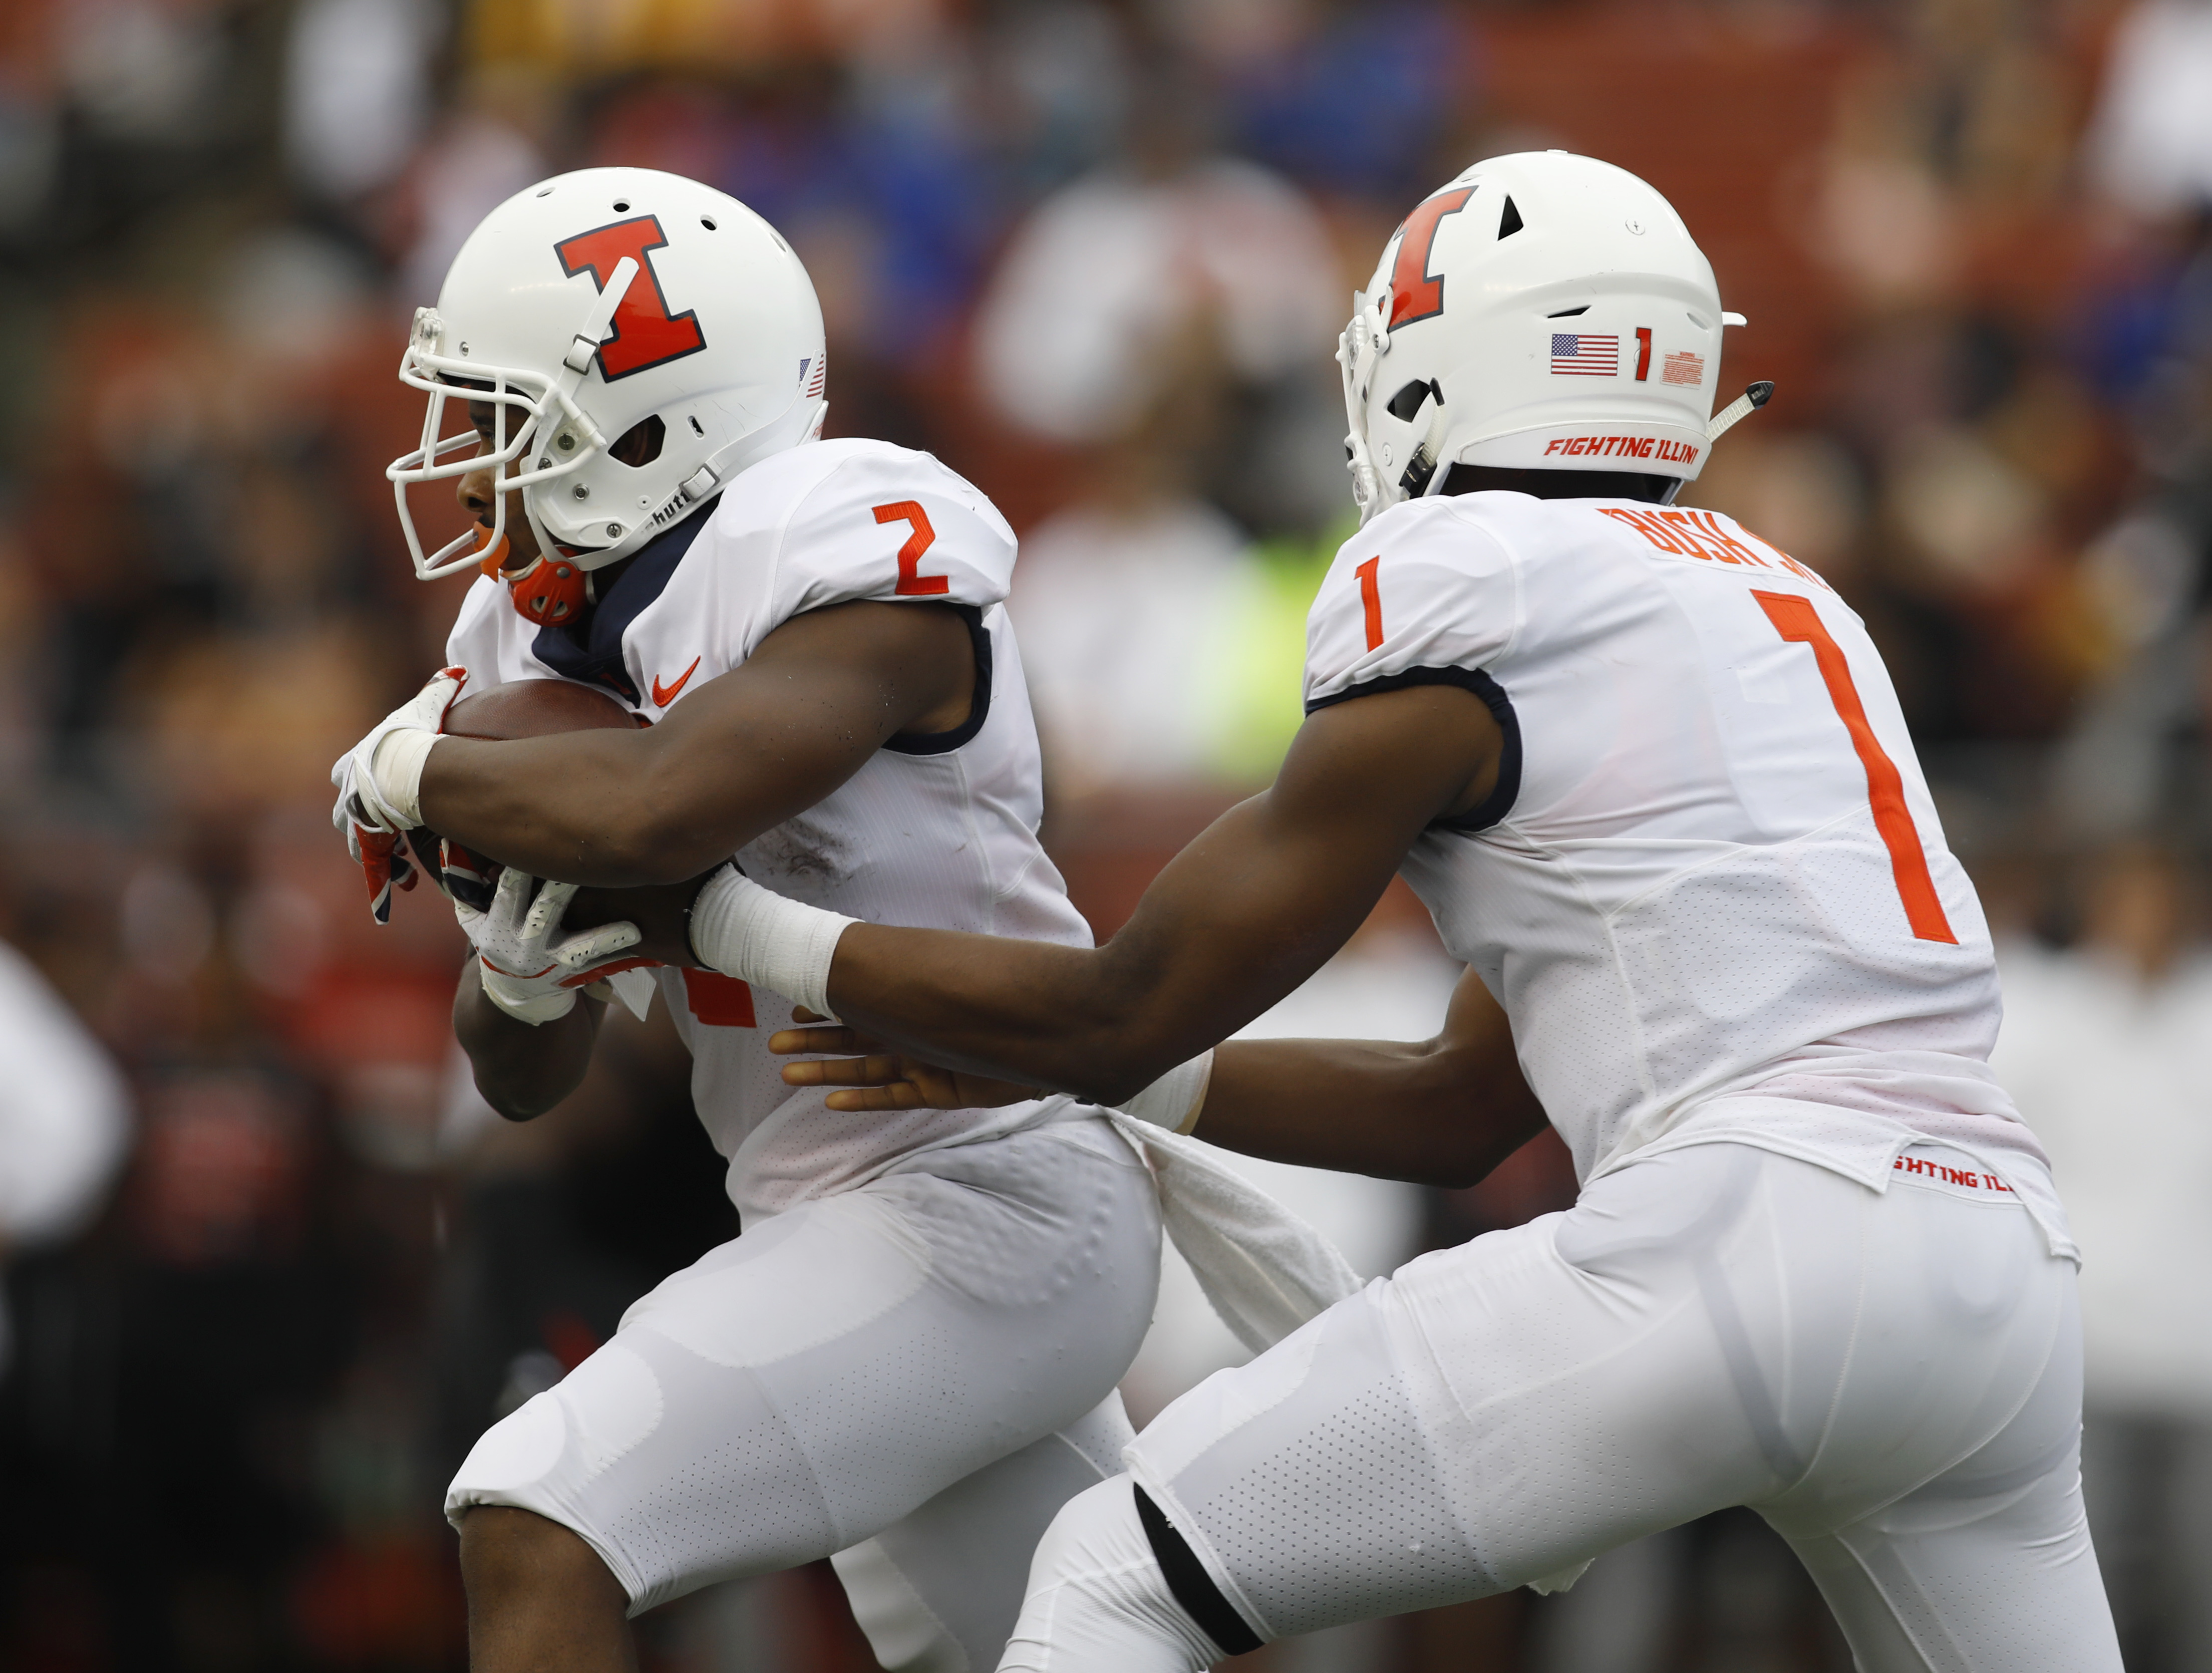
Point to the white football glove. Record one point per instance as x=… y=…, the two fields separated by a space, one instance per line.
x=385 y=795
x=529 y=969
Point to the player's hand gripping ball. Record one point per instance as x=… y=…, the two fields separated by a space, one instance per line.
x=500 y=714
x=529 y=967
x=372 y=825
x=353 y=775
x=377 y=835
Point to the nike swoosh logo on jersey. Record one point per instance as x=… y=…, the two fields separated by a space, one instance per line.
x=665 y=695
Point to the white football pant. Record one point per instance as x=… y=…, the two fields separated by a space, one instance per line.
x=913 y=1375
x=1893 y=1380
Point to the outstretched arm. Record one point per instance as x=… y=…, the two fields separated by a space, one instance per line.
x=1237 y=920
x=1443 y=1111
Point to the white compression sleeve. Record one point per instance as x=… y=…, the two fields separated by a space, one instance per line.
x=1175 y=1099
x=755 y=934
x=398 y=766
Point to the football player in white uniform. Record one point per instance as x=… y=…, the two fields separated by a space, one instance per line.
x=909 y=1358
x=1649 y=777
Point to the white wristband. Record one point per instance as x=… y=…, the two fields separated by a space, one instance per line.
x=755 y=934
x=397 y=768
x=1175 y=1099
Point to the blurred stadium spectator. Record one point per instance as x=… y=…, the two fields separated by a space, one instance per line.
x=2104 y=1048
x=64 y=1120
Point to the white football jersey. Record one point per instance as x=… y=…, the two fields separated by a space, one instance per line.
x=1710 y=890
x=936 y=832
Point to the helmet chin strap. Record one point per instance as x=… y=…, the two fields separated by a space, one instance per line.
x=553 y=589
x=586 y=343
x=547 y=590
x=576 y=366
x=1427 y=454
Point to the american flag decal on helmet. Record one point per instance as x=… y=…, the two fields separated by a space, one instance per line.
x=1579 y=355
x=821 y=372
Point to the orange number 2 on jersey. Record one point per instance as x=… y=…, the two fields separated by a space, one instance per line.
x=912 y=584
x=1370 y=600
x=1796 y=621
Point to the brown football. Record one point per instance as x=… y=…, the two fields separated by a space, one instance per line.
x=499 y=714
x=536 y=709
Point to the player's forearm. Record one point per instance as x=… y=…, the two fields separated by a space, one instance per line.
x=1251 y=909
x=742 y=753
x=1423 y=1112
x=522 y=1071
x=1234 y=923
x=1055 y=1017
x=610 y=809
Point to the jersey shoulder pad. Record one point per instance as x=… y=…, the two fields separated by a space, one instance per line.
x=1426 y=590
x=832 y=522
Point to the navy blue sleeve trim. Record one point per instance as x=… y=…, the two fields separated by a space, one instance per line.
x=979 y=709
x=1499 y=802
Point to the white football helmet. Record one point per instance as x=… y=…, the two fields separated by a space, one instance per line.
x=1542 y=310
x=585 y=305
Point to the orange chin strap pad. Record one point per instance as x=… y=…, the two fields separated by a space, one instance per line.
x=550 y=590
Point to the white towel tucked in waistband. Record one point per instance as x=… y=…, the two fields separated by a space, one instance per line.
x=1265 y=1271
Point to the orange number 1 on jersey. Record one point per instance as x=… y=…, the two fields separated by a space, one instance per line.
x=1371 y=600
x=912 y=583
x=1796 y=621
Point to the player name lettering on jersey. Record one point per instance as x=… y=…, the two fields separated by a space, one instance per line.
x=1697 y=534
x=1942 y=1172
x=1622 y=447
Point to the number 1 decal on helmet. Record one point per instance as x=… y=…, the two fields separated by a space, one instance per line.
x=645 y=333
x=1552 y=263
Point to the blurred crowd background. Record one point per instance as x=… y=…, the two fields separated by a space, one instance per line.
x=269 y=1269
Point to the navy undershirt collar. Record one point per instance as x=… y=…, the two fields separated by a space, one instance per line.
x=596 y=658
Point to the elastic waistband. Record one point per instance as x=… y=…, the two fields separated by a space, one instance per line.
x=1940 y=1167
x=1868 y=1147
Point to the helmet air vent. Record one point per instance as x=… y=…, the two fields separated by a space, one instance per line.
x=707 y=221
x=1508 y=223
x=1407 y=401
x=1569 y=313
x=622 y=206
x=640 y=445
